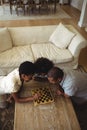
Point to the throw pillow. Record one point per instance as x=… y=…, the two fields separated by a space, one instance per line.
x=61 y=37
x=5 y=40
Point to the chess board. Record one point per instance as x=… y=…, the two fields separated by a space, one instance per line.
x=45 y=96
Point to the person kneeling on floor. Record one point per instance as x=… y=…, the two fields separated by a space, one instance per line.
x=73 y=82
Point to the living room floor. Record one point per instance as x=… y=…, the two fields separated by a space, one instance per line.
x=75 y=14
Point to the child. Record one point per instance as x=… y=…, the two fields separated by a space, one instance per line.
x=11 y=84
x=73 y=82
x=43 y=65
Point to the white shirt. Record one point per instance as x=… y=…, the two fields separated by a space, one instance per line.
x=10 y=83
x=74 y=84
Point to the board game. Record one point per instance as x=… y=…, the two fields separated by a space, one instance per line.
x=45 y=96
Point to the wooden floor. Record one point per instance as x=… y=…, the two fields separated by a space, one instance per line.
x=74 y=13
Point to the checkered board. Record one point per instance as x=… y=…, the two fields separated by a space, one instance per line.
x=45 y=96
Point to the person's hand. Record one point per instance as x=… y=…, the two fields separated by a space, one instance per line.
x=59 y=92
x=9 y=100
x=67 y=96
x=36 y=96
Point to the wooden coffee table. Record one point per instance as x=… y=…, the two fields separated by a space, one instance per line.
x=58 y=115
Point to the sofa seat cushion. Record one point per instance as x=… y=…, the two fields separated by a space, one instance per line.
x=51 y=52
x=15 y=56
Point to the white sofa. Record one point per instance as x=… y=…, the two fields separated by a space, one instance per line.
x=18 y=44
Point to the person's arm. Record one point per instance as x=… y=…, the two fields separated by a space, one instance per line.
x=23 y=99
x=9 y=99
x=60 y=91
x=65 y=95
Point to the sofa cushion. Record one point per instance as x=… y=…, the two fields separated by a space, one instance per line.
x=61 y=37
x=5 y=40
x=51 y=52
x=15 y=56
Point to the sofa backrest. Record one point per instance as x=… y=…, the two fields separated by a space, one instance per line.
x=29 y=35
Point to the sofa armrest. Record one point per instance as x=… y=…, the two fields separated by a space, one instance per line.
x=76 y=45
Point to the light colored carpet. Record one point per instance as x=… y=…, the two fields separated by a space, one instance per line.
x=5 y=14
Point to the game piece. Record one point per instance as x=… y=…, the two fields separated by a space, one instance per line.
x=45 y=96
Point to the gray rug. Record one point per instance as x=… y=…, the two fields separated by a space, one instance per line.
x=7 y=117
x=5 y=14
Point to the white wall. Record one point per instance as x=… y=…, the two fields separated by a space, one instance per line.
x=77 y=4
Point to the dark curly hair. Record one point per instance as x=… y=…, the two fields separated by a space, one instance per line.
x=26 y=68
x=43 y=65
